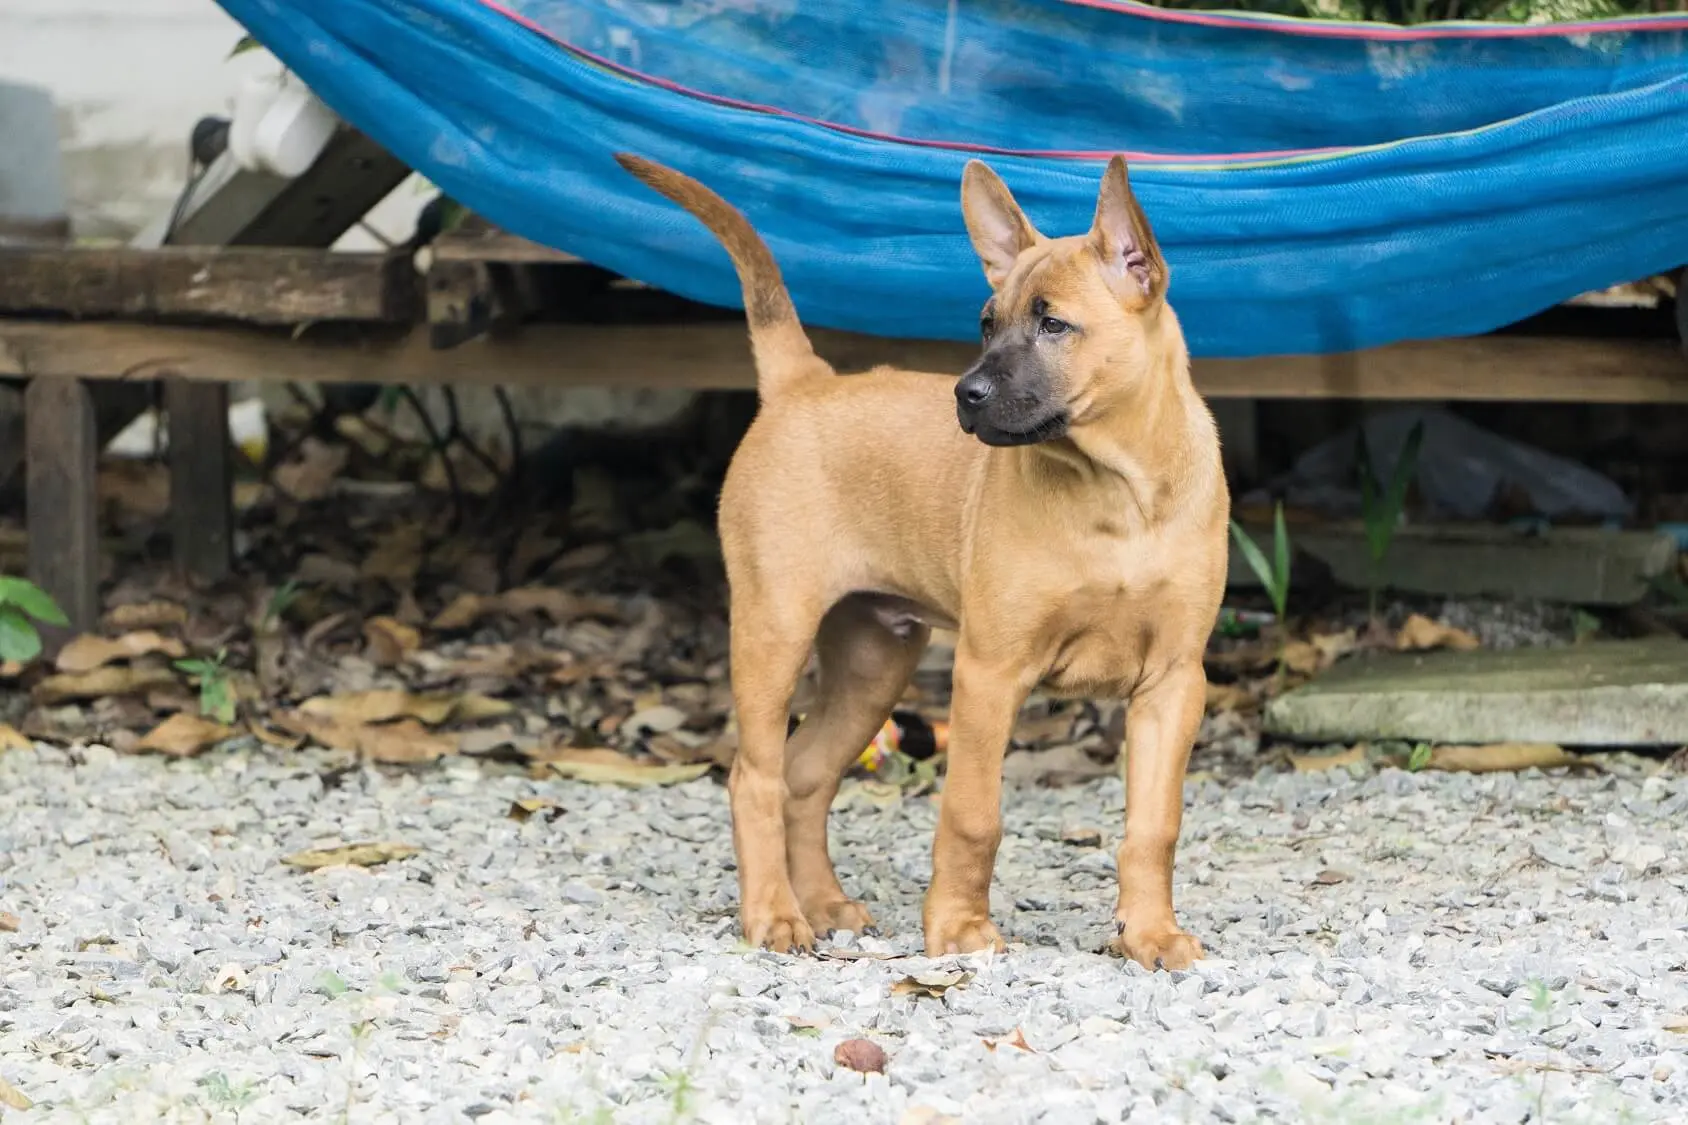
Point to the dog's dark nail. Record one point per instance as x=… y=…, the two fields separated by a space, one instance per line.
x=870 y=931
x=1159 y=964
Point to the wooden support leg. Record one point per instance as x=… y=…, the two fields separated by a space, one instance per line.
x=61 y=451
x=201 y=481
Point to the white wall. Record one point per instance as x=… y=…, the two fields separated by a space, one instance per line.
x=130 y=78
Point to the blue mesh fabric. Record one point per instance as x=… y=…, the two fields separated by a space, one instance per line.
x=1316 y=187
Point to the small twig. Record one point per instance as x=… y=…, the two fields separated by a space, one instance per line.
x=515 y=431
x=455 y=433
x=439 y=445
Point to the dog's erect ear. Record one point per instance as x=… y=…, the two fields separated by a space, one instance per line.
x=995 y=223
x=1131 y=259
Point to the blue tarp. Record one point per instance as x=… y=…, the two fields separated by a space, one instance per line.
x=1317 y=187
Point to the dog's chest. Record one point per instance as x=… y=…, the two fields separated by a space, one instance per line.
x=1114 y=619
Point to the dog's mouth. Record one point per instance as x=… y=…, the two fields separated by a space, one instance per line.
x=1050 y=428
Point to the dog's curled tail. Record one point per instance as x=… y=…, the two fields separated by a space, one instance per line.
x=782 y=349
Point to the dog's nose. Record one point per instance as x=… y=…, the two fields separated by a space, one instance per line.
x=974 y=389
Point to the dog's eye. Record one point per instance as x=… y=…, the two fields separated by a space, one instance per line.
x=987 y=325
x=1049 y=326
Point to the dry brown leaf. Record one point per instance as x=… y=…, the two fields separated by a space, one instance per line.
x=311 y=475
x=472 y=477
x=389 y=641
x=1334 y=646
x=377 y=706
x=1504 y=756
x=363 y=435
x=406 y=742
x=1329 y=877
x=403 y=743
x=1045 y=729
x=1230 y=697
x=276 y=738
x=385 y=704
x=464 y=611
x=88 y=652
x=13 y=1097
x=1308 y=763
x=1677 y=1026
x=606 y=767
x=135 y=488
x=9 y=923
x=861 y=1055
x=116 y=679
x=1054 y=767
x=10 y=669
x=472 y=707
x=183 y=735
x=1303 y=658
x=1420 y=633
x=146 y=615
x=526 y=807
x=12 y=739
x=367 y=854
x=931 y=984
x=560 y=606
x=397 y=556
x=1017 y=1038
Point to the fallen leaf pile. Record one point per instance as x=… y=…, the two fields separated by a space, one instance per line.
x=577 y=628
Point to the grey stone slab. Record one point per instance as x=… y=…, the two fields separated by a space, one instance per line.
x=1573 y=565
x=1611 y=693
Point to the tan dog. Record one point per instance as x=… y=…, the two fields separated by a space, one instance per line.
x=1072 y=528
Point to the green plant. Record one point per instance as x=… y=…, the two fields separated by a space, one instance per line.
x=222 y=1092
x=22 y=605
x=216 y=692
x=1418 y=757
x=280 y=601
x=1381 y=510
x=1274 y=575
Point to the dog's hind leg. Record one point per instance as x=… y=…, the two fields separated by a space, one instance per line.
x=771 y=635
x=864 y=666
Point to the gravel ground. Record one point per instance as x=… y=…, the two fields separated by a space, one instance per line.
x=1391 y=947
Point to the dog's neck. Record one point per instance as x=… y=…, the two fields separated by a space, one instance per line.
x=1156 y=445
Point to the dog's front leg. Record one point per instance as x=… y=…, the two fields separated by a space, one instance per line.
x=987 y=696
x=1160 y=729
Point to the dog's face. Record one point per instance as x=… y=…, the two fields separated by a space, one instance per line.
x=1071 y=323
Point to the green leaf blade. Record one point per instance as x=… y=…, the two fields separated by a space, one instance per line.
x=1255 y=557
x=19 y=640
x=32 y=600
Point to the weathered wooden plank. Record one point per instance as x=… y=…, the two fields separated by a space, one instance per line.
x=257 y=285
x=201 y=477
x=493 y=245
x=716 y=355
x=64 y=546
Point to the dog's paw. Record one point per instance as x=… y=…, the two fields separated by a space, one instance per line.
x=961 y=934
x=1156 y=949
x=781 y=933
x=839 y=914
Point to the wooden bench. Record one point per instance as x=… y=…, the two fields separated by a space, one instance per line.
x=460 y=311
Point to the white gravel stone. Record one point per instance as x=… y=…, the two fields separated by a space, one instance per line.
x=1502 y=948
